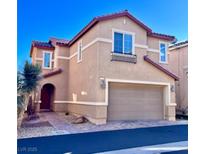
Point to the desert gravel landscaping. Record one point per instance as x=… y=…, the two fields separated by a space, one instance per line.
x=51 y=123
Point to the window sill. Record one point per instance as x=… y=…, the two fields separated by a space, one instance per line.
x=161 y=62
x=47 y=68
x=123 y=57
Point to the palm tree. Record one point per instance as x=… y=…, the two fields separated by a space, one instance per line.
x=27 y=82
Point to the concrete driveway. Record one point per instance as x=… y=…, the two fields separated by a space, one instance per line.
x=51 y=123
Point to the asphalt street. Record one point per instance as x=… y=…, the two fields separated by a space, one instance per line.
x=94 y=142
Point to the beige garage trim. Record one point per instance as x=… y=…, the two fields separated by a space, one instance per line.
x=164 y=91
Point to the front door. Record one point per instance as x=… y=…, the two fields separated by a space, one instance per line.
x=47 y=93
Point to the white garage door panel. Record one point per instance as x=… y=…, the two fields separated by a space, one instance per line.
x=135 y=102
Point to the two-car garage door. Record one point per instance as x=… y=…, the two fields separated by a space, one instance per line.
x=135 y=101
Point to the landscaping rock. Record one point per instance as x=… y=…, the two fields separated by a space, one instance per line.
x=79 y=120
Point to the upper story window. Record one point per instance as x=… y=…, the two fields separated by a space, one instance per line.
x=118 y=42
x=47 y=59
x=127 y=44
x=79 y=55
x=123 y=42
x=163 y=53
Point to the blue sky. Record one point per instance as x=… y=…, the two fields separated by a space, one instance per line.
x=41 y=19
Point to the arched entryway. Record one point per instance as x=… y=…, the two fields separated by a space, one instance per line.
x=47 y=97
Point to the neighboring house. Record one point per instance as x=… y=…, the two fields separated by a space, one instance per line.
x=178 y=64
x=111 y=70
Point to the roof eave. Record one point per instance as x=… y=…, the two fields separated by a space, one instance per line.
x=147 y=59
x=178 y=45
x=54 y=72
x=83 y=31
x=162 y=36
x=62 y=44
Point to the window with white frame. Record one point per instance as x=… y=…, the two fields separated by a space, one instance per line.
x=47 y=58
x=163 y=53
x=123 y=43
x=79 y=55
x=127 y=44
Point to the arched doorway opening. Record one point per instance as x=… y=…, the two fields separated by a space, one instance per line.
x=47 y=97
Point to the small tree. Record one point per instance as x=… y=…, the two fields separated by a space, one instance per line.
x=27 y=82
x=30 y=77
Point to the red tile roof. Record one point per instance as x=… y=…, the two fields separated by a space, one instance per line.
x=41 y=45
x=54 y=39
x=178 y=44
x=162 y=36
x=60 y=42
x=50 y=45
x=147 y=59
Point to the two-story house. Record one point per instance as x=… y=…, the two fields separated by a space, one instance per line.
x=111 y=70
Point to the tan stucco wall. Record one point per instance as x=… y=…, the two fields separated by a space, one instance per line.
x=60 y=107
x=89 y=110
x=153 y=43
x=141 y=38
x=86 y=38
x=178 y=63
x=170 y=112
x=39 y=52
x=62 y=51
x=83 y=75
x=95 y=114
x=60 y=81
x=37 y=58
x=33 y=56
